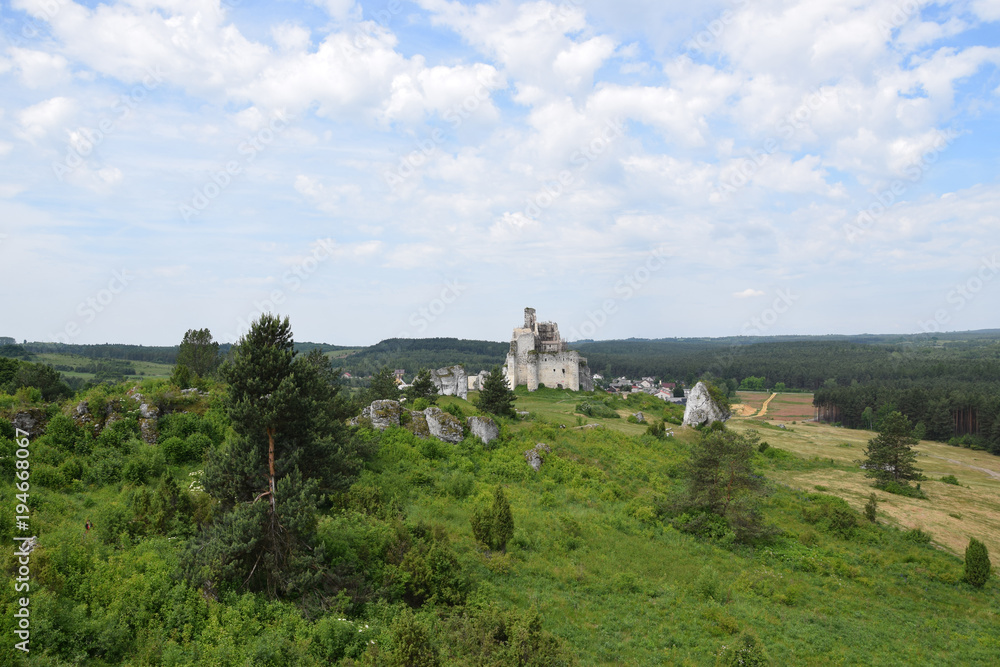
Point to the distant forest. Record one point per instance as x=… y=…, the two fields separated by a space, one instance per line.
x=947 y=383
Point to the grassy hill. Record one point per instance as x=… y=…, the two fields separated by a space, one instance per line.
x=594 y=558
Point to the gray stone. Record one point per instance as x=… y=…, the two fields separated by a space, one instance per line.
x=701 y=409
x=451 y=381
x=418 y=424
x=442 y=425
x=483 y=428
x=382 y=414
x=147 y=411
x=639 y=417
x=534 y=455
x=30 y=421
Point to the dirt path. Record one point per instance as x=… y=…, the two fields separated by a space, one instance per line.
x=991 y=473
x=763 y=409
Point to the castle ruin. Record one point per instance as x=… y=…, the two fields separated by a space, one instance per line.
x=538 y=356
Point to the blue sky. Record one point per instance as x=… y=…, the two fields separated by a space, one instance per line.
x=430 y=168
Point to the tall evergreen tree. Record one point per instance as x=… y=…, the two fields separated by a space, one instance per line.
x=495 y=396
x=977 y=563
x=422 y=387
x=284 y=452
x=383 y=386
x=198 y=352
x=889 y=456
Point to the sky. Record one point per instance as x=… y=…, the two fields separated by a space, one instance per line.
x=430 y=168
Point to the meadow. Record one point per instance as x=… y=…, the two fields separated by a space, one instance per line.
x=594 y=565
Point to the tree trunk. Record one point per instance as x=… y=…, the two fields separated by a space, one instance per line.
x=270 y=463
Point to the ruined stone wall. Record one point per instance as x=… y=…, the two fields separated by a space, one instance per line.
x=539 y=355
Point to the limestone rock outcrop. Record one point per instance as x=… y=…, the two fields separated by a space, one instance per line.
x=483 y=428
x=701 y=409
x=418 y=424
x=534 y=455
x=451 y=381
x=443 y=426
x=31 y=421
x=382 y=414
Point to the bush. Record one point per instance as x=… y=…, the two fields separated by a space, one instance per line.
x=977 y=563
x=174 y=449
x=901 y=489
x=493 y=525
x=950 y=479
x=594 y=409
x=196 y=445
x=746 y=651
x=871 y=507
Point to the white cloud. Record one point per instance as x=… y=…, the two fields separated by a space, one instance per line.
x=46 y=118
x=748 y=293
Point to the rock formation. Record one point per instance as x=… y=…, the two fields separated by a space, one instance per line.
x=451 y=381
x=381 y=414
x=539 y=356
x=483 y=428
x=443 y=426
x=534 y=455
x=701 y=409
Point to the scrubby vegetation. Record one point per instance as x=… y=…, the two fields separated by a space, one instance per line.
x=627 y=546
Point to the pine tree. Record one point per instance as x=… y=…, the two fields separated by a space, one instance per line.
x=495 y=396
x=285 y=452
x=977 y=563
x=422 y=387
x=383 y=386
x=889 y=456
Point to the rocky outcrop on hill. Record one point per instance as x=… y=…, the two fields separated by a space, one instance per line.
x=534 y=455
x=443 y=426
x=483 y=428
x=418 y=424
x=451 y=381
x=701 y=408
x=380 y=414
x=31 y=421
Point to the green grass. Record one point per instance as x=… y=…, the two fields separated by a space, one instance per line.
x=592 y=552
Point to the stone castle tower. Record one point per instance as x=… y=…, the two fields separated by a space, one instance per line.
x=539 y=356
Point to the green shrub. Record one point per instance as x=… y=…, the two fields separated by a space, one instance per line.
x=493 y=525
x=595 y=409
x=950 y=479
x=174 y=449
x=901 y=489
x=196 y=445
x=917 y=536
x=871 y=507
x=977 y=563
x=746 y=651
